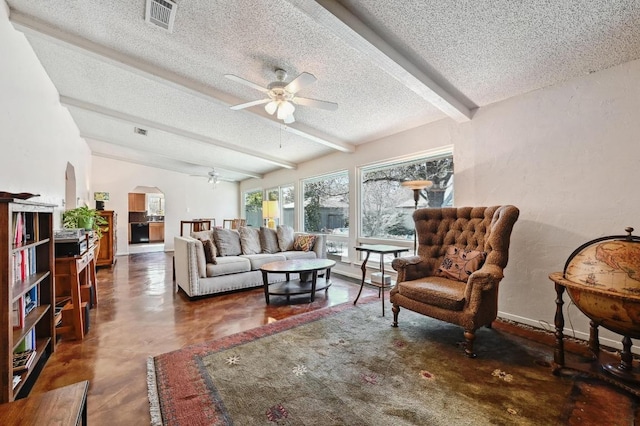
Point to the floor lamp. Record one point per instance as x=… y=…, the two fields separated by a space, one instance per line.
x=416 y=186
x=270 y=211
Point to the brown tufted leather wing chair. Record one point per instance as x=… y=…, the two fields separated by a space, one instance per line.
x=420 y=286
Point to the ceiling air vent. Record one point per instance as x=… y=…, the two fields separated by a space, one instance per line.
x=161 y=13
x=140 y=131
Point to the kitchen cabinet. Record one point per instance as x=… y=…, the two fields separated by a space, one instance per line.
x=156 y=232
x=137 y=202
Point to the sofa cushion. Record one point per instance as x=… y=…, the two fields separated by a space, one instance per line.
x=201 y=259
x=459 y=263
x=228 y=265
x=227 y=242
x=285 y=237
x=257 y=260
x=294 y=254
x=203 y=235
x=210 y=251
x=437 y=291
x=269 y=240
x=250 y=240
x=304 y=242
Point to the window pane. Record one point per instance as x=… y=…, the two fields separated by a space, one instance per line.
x=253 y=208
x=288 y=206
x=326 y=204
x=387 y=206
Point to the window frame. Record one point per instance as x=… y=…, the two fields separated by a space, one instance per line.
x=430 y=155
x=331 y=238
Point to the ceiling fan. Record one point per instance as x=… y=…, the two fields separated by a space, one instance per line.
x=214 y=177
x=282 y=95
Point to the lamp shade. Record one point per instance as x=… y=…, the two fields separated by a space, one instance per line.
x=271 y=107
x=270 y=210
x=417 y=184
x=285 y=109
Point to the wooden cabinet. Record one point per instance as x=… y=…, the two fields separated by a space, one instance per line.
x=108 y=242
x=137 y=202
x=156 y=232
x=26 y=273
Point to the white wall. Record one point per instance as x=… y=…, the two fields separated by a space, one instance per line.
x=568 y=156
x=186 y=197
x=37 y=134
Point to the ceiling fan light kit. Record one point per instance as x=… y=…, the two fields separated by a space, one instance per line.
x=282 y=95
x=213 y=177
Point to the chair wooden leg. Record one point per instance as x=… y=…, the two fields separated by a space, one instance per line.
x=396 y=310
x=469 y=337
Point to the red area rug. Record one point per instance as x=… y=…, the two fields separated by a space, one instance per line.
x=346 y=366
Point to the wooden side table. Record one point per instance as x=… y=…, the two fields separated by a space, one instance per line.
x=381 y=249
x=62 y=406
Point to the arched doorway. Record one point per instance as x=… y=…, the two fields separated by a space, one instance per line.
x=146 y=219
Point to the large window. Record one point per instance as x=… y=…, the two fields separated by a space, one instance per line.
x=285 y=197
x=287 y=205
x=387 y=206
x=326 y=210
x=326 y=203
x=253 y=208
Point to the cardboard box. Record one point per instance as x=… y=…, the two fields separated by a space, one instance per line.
x=376 y=277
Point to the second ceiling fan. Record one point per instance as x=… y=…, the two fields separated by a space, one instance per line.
x=281 y=96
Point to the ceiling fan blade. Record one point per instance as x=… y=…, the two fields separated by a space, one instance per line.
x=299 y=82
x=331 y=106
x=250 y=104
x=246 y=82
x=289 y=119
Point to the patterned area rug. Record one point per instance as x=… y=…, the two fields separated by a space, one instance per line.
x=346 y=366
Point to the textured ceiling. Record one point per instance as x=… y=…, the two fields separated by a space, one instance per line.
x=389 y=65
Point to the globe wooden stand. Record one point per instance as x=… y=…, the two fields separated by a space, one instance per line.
x=619 y=372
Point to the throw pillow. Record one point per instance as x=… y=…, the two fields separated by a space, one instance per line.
x=202 y=235
x=210 y=251
x=250 y=240
x=285 y=237
x=269 y=240
x=227 y=242
x=304 y=242
x=459 y=263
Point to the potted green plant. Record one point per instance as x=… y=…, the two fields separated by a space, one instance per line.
x=85 y=218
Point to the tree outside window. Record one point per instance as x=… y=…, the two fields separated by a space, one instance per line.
x=287 y=205
x=387 y=207
x=253 y=208
x=326 y=204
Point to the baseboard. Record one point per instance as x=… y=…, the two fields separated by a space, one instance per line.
x=568 y=332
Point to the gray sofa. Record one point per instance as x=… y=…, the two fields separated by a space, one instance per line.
x=197 y=277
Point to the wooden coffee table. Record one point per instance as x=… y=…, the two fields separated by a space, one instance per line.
x=301 y=286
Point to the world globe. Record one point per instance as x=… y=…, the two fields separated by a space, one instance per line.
x=602 y=277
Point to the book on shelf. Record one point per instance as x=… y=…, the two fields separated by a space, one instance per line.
x=24 y=264
x=29 y=305
x=17 y=378
x=28 y=343
x=22 y=360
x=18 y=313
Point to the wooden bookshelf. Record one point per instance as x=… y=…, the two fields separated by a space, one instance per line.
x=32 y=247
